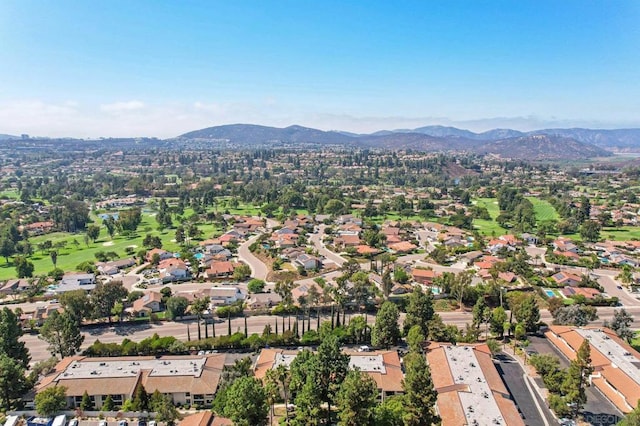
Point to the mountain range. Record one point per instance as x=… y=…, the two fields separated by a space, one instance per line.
x=547 y=144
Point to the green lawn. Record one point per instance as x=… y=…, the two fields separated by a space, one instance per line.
x=621 y=234
x=74 y=254
x=488 y=227
x=12 y=194
x=543 y=210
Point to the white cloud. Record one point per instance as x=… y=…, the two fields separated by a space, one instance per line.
x=118 y=107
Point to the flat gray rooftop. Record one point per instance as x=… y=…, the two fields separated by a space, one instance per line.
x=368 y=363
x=283 y=359
x=88 y=369
x=478 y=403
x=619 y=356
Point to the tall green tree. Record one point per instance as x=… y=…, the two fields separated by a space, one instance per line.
x=93 y=232
x=10 y=332
x=386 y=332
x=51 y=401
x=108 y=404
x=390 y=412
x=356 y=400
x=419 y=310
x=86 y=404
x=590 y=231
x=13 y=382
x=246 y=402
x=128 y=220
x=105 y=296
x=415 y=339
x=461 y=282
x=62 y=333
x=165 y=409
x=140 y=399
x=332 y=368
x=621 y=324
x=420 y=396
x=525 y=309
x=77 y=304
x=24 y=267
x=7 y=248
x=177 y=306
x=577 y=379
x=308 y=403
x=498 y=319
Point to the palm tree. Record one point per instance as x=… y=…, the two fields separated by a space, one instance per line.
x=197 y=308
x=283 y=377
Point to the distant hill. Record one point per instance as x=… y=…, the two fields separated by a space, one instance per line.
x=617 y=139
x=253 y=134
x=506 y=143
x=621 y=139
x=8 y=137
x=417 y=141
x=542 y=147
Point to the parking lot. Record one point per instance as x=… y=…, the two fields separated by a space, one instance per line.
x=598 y=410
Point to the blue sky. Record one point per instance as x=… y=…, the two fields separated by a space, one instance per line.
x=161 y=68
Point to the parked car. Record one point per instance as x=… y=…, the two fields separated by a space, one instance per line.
x=73 y=422
x=123 y=423
x=103 y=423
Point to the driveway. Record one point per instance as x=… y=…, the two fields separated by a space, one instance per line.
x=526 y=401
x=598 y=411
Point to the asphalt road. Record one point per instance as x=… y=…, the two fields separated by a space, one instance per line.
x=258 y=269
x=316 y=240
x=512 y=375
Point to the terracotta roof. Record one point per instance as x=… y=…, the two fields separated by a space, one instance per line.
x=222 y=421
x=403 y=246
x=365 y=249
x=611 y=366
x=452 y=391
x=202 y=418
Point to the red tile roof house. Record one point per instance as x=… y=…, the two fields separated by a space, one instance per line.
x=565 y=278
x=403 y=247
x=367 y=250
x=221 y=269
x=148 y=303
x=347 y=241
x=567 y=254
x=424 y=276
x=162 y=253
x=588 y=293
x=565 y=245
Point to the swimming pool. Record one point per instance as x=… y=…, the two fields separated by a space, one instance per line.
x=549 y=293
